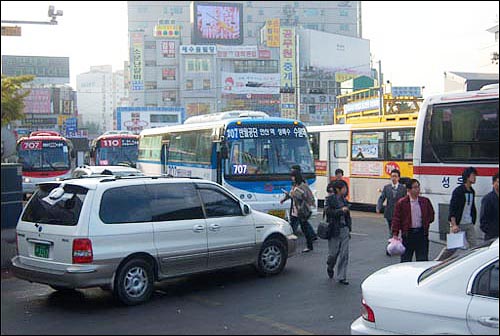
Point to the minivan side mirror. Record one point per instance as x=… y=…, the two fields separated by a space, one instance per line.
x=246 y=209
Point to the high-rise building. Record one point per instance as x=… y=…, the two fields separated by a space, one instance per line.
x=100 y=92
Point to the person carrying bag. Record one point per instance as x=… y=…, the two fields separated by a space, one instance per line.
x=340 y=225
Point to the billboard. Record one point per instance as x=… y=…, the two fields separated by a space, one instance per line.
x=135 y=119
x=38 y=101
x=253 y=83
x=50 y=70
x=217 y=22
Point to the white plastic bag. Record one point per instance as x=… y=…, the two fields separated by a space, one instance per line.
x=455 y=240
x=395 y=247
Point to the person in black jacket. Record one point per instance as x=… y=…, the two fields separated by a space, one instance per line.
x=463 y=213
x=489 y=212
x=340 y=224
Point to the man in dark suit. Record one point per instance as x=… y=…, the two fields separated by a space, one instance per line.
x=392 y=192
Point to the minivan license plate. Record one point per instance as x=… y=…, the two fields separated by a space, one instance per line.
x=41 y=250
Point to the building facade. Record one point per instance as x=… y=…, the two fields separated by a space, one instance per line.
x=214 y=56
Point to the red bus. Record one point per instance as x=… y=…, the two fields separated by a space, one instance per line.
x=115 y=148
x=45 y=156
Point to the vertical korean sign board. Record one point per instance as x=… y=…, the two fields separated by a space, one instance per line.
x=137 y=79
x=288 y=71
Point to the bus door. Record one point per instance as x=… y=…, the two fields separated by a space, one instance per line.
x=164 y=156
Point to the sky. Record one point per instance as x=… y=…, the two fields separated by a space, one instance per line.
x=416 y=41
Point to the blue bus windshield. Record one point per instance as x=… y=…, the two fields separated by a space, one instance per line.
x=267 y=150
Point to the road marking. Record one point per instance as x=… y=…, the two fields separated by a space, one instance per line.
x=280 y=326
x=359 y=234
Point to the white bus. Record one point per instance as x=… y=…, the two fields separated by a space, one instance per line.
x=246 y=151
x=455 y=131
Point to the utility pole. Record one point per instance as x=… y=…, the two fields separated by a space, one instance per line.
x=381 y=88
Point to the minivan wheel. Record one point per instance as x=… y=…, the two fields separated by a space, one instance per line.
x=134 y=282
x=272 y=258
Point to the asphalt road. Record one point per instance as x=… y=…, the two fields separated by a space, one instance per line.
x=302 y=300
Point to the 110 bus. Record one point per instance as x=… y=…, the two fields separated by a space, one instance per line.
x=115 y=148
x=246 y=151
x=45 y=156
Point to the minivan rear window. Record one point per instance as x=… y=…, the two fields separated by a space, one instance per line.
x=63 y=210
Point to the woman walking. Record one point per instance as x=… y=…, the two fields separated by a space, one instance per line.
x=339 y=217
x=300 y=209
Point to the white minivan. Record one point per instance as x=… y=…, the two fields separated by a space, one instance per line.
x=125 y=233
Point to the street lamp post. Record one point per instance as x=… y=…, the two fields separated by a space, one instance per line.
x=52 y=13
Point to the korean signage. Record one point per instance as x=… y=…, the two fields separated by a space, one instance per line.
x=38 y=101
x=167 y=31
x=168 y=73
x=263 y=131
x=272 y=33
x=250 y=83
x=11 y=31
x=54 y=70
x=39 y=145
x=237 y=52
x=168 y=49
x=137 y=80
x=198 y=49
x=71 y=125
x=288 y=71
x=364 y=105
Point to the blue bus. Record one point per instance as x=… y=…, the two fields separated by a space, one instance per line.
x=248 y=152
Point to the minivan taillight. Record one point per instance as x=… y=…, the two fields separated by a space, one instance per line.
x=367 y=312
x=82 y=251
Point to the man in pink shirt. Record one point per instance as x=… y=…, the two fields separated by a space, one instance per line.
x=412 y=216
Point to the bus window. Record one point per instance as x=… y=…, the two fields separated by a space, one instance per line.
x=463 y=132
x=340 y=149
x=400 y=144
x=367 y=145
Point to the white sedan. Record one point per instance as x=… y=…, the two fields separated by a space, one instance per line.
x=456 y=296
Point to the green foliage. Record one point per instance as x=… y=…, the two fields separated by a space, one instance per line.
x=13 y=95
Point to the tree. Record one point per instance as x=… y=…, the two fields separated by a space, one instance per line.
x=13 y=95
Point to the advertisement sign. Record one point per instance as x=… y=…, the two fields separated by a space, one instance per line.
x=137 y=80
x=48 y=69
x=321 y=167
x=194 y=109
x=250 y=83
x=272 y=33
x=135 y=119
x=245 y=52
x=198 y=49
x=168 y=49
x=363 y=105
x=217 y=22
x=167 y=31
x=38 y=101
x=288 y=71
x=365 y=145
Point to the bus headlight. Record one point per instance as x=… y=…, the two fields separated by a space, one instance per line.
x=58 y=179
x=27 y=180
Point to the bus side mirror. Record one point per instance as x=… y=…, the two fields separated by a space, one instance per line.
x=73 y=153
x=224 y=152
